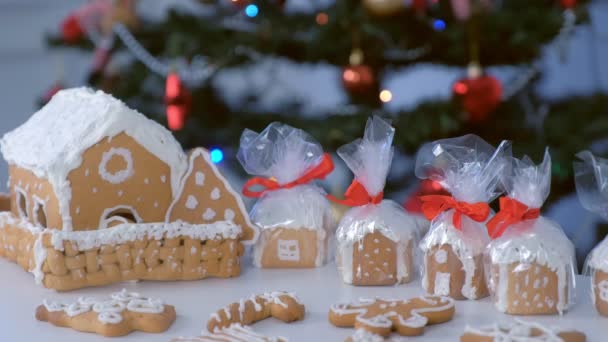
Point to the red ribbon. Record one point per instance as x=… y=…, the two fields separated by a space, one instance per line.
x=318 y=172
x=433 y=205
x=511 y=211
x=356 y=195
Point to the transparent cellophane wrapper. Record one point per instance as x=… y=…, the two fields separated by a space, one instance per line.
x=376 y=242
x=531 y=267
x=295 y=223
x=471 y=170
x=591 y=179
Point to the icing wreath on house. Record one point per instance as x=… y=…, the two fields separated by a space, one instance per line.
x=87 y=163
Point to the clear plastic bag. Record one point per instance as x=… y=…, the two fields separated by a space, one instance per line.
x=376 y=238
x=530 y=263
x=294 y=217
x=591 y=178
x=471 y=170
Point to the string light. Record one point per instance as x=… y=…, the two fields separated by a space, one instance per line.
x=217 y=155
x=438 y=25
x=386 y=96
x=322 y=18
x=251 y=10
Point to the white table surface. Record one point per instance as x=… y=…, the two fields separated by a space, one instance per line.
x=317 y=288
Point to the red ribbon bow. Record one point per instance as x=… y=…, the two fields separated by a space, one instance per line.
x=511 y=211
x=324 y=168
x=433 y=205
x=356 y=195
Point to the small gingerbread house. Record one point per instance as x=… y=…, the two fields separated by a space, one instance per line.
x=591 y=179
x=470 y=169
x=99 y=194
x=376 y=238
x=294 y=217
x=532 y=261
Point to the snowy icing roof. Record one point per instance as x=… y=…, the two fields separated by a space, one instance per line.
x=52 y=141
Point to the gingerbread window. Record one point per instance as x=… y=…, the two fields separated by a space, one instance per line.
x=22 y=203
x=39 y=212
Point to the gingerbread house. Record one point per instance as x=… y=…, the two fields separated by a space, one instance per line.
x=591 y=179
x=376 y=238
x=532 y=261
x=101 y=194
x=294 y=217
x=470 y=169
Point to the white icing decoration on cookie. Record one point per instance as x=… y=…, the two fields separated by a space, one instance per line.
x=120 y=175
x=209 y=214
x=191 y=202
x=229 y=214
x=288 y=250
x=441 y=256
x=199 y=178
x=519 y=330
x=602 y=290
x=215 y=194
x=442 y=284
x=109 y=317
x=53 y=306
x=109 y=311
x=147 y=305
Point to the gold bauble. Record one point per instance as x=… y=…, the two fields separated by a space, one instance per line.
x=384 y=7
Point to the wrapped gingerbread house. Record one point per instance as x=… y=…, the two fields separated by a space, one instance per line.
x=471 y=170
x=101 y=194
x=591 y=178
x=376 y=238
x=294 y=216
x=531 y=264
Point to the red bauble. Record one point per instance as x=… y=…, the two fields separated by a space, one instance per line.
x=358 y=79
x=419 y=5
x=479 y=96
x=71 y=29
x=178 y=100
x=413 y=204
x=568 y=4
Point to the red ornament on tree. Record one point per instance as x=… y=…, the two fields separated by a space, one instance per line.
x=358 y=79
x=413 y=204
x=71 y=29
x=178 y=100
x=419 y=5
x=568 y=4
x=479 y=94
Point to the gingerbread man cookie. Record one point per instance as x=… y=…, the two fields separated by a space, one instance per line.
x=521 y=331
x=234 y=333
x=381 y=316
x=119 y=315
x=281 y=305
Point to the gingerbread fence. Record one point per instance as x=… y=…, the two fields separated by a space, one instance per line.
x=173 y=251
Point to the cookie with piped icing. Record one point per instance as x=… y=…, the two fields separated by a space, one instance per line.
x=284 y=306
x=234 y=333
x=383 y=316
x=521 y=331
x=118 y=315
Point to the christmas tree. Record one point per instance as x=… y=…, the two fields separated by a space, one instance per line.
x=172 y=69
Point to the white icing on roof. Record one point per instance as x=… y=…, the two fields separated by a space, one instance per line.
x=52 y=141
x=541 y=241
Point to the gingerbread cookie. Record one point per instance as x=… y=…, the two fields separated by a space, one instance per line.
x=234 y=333
x=281 y=305
x=123 y=313
x=381 y=316
x=521 y=331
